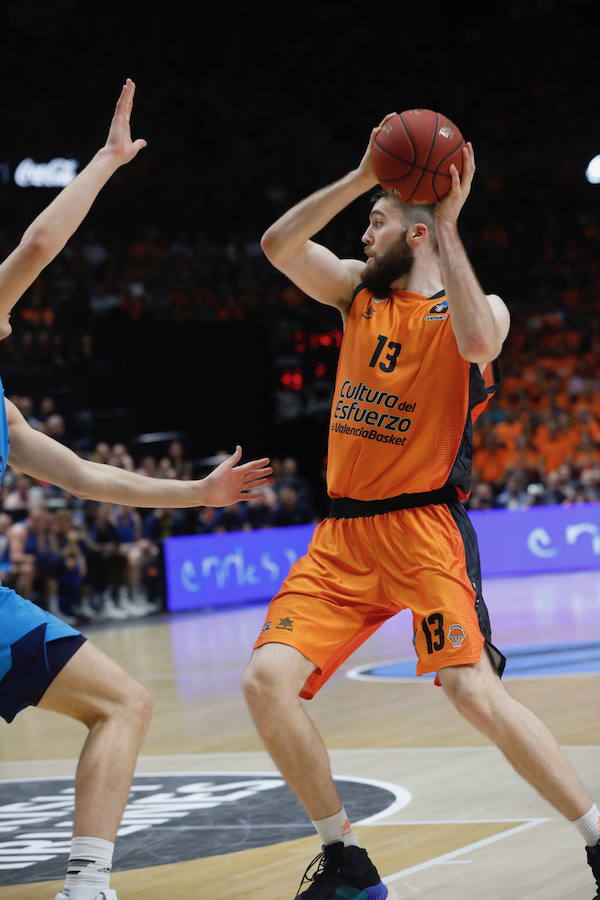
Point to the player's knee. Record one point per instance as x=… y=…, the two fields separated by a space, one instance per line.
x=258 y=684
x=475 y=702
x=265 y=682
x=139 y=706
x=132 y=707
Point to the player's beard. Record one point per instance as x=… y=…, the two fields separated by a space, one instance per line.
x=379 y=274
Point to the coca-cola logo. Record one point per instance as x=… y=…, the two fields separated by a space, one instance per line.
x=56 y=173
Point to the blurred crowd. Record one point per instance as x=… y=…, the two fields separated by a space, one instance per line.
x=91 y=561
x=227 y=158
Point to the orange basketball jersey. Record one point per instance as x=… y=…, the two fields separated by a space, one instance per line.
x=404 y=400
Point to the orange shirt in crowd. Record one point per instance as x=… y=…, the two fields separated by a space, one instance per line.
x=491 y=464
x=523 y=459
x=508 y=432
x=586 y=458
x=554 y=452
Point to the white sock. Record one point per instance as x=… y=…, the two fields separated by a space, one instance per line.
x=88 y=870
x=336 y=828
x=588 y=826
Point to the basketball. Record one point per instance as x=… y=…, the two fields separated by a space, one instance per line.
x=412 y=155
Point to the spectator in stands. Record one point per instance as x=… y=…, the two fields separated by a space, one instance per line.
x=289 y=477
x=105 y=563
x=181 y=466
x=482 y=496
x=290 y=509
x=102 y=453
x=552 y=488
x=207 y=520
x=73 y=566
x=148 y=466
x=138 y=552
x=490 y=461
x=121 y=458
x=258 y=512
x=5 y=563
x=17 y=503
x=514 y=495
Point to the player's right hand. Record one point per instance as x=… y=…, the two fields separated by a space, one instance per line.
x=366 y=165
x=230 y=483
x=118 y=142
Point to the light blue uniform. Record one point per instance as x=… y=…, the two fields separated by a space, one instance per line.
x=25 y=631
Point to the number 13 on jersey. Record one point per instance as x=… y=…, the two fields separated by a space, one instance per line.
x=393 y=346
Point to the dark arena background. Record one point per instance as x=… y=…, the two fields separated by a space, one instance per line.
x=161 y=337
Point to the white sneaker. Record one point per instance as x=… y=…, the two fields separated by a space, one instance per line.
x=142 y=605
x=103 y=895
x=87 y=611
x=111 y=610
x=54 y=608
x=131 y=605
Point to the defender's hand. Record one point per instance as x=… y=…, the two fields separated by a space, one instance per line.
x=118 y=142
x=448 y=209
x=230 y=483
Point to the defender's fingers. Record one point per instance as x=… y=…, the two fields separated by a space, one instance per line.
x=234 y=458
x=120 y=102
x=250 y=485
x=255 y=464
x=130 y=95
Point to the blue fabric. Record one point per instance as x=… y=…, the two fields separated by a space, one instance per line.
x=4 y=439
x=28 y=660
x=17 y=618
x=25 y=631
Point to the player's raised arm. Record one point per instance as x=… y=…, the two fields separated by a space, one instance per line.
x=314 y=268
x=480 y=322
x=38 y=455
x=50 y=231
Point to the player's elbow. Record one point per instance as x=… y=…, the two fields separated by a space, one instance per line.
x=272 y=245
x=478 y=351
x=35 y=247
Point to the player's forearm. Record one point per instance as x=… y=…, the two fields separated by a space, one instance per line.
x=109 y=484
x=471 y=316
x=57 y=223
x=287 y=235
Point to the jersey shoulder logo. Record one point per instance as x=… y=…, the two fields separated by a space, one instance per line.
x=437 y=312
x=440 y=307
x=369 y=310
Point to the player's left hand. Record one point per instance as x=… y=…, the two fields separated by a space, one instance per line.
x=448 y=209
x=118 y=142
x=230 y=483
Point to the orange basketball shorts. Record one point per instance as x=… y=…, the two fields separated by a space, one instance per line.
x=358 y=572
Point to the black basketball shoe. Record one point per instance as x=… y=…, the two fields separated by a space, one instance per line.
x=593 y=855
x=342 y=873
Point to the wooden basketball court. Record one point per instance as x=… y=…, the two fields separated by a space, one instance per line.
x=460 y=824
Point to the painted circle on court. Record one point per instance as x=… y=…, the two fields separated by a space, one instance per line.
x=169 y=818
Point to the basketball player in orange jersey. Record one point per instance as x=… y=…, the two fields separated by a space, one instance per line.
x=415 y=369
x=43 y=661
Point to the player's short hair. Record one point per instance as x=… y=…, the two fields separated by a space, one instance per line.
x=411 y=214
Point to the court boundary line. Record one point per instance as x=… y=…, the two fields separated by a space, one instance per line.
x=449 y=857
x=402 y=796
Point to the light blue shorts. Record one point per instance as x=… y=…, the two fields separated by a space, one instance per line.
x=34 y=647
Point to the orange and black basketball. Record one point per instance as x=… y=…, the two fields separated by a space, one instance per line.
x=412 y=155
